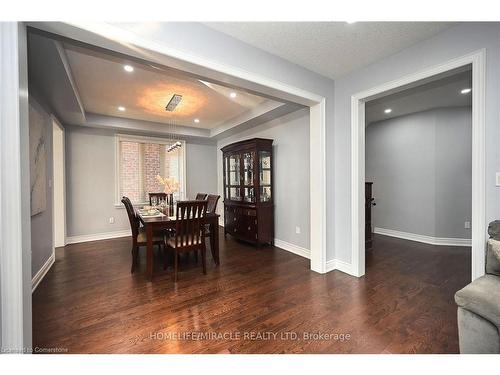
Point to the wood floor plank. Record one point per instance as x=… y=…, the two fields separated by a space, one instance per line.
x=90 y=303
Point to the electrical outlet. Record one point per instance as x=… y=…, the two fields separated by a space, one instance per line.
x=297 y=230
x=497 y=179
x=467 y=225
x=111 y=220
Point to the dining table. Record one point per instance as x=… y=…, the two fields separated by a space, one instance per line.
x=167 y=220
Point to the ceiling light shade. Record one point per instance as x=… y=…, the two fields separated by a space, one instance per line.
x=350 y=22
x=128 y=68
x=465 y=91
x=197 y=120
x=122 y=109
x=388 y=110
x=174 y=101
x=232 y=95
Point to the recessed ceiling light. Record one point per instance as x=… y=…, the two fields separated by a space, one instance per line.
x=197 y=120
x=388 y=110
x=232 y=95
x=120 y=108
x=465 y=91
x=128 y=68
x=350 y=22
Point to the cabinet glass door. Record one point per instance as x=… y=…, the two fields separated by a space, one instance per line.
x=249 y=194
x=248 y=170
x=234 y=177
x=226 y=177
x=265 y=176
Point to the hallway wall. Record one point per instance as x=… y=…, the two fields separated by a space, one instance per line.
x=421 y=167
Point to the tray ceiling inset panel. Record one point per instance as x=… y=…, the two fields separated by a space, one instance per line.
x=104 y=86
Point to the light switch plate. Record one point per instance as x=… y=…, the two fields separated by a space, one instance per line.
x=297 y=230
x=497 y=179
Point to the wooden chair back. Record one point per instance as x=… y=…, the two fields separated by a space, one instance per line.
x=189 y=228
x=201 y=196
x=159 y=196
x=134 y=222
x=212 y=203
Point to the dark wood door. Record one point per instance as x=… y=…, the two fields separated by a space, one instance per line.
x=369 y=202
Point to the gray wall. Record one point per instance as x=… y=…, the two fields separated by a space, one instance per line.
x=421 y=166
x=41 y=224
x=452 y=43
x=291 y=173
x=201 y=169
x=90 y=179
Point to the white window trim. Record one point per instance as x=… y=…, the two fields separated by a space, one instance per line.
x=137 y=138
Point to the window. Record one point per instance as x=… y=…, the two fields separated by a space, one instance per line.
x=140 y=160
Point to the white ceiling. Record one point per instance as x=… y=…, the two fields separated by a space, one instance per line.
x=438 y=93
x=104 y=85
x=332 y=49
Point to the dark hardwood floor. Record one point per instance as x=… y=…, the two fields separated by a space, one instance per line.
x=90 y=303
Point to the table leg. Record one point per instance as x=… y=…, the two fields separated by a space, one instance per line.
x=149 y=252
x=214 y=238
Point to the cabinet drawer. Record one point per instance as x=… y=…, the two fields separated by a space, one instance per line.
x=249 y=212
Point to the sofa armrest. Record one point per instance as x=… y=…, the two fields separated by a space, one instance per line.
x=482 y=297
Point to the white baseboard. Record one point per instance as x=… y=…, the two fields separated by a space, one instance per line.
x=43 y=271
x=424 y=239
x=339 y=265
x=303 y=252
x=98 y=236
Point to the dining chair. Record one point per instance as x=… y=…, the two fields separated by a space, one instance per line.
x=138 y=234
x=201 y=196
x=212 y=201
x=159 y=197
x=189 y=232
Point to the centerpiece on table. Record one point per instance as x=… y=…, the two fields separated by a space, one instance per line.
x=171 y=186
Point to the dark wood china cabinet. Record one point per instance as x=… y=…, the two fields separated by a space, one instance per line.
x=248 y=190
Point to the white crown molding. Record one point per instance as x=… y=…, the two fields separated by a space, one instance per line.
x=440 y=241
x=98 y=236
x=67 y=68
x=121 y=124
x=43 y=271
x=297 y=250
x=244 y=117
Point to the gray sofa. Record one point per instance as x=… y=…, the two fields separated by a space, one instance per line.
x=479 y=303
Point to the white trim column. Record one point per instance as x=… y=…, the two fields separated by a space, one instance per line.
x=15 y=242
x=317 y=172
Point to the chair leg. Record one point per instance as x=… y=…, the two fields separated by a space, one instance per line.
x=176 y=265
x=204 y=259
x=134 y=258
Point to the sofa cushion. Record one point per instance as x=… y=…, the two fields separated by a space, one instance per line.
x=482 y=297
x=494 y=230
x=493 y=257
